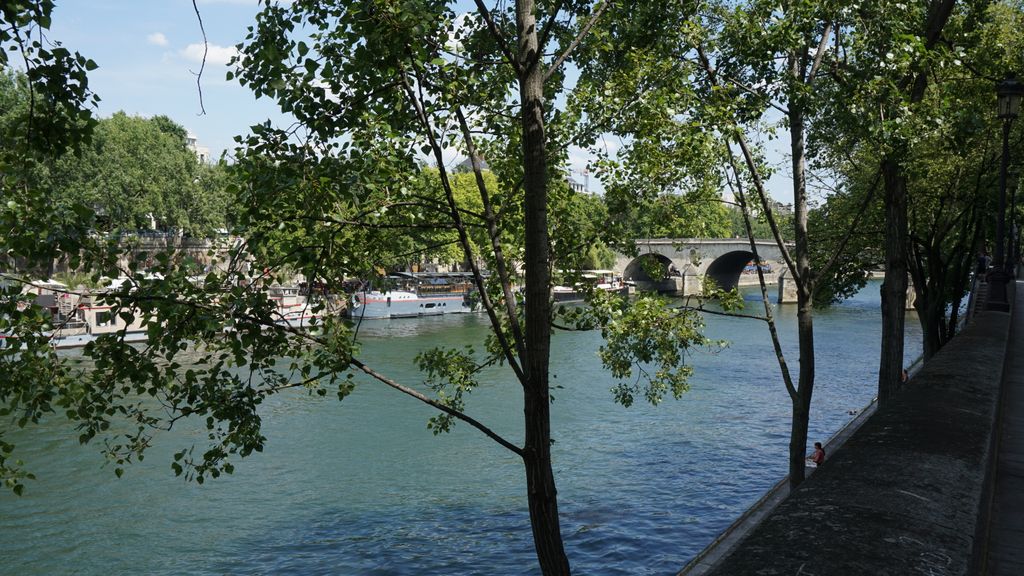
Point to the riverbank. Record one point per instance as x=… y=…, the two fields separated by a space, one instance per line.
x=909 y=491
x=729 y=540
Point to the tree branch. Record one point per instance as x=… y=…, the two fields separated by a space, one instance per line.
x=575 y=41
x=499 y=38
x=819 y=54
x=206 y=49
x=446 y=409
x=787 y=378
x=457 y=220
x=495 y=236
x=545 y=33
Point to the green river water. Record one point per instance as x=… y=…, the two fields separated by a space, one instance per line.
x=362 y=487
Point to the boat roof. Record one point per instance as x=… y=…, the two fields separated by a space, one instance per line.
x=428 y=276
x=587 y=271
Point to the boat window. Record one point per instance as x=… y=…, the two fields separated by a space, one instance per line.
x=430 y=305
x=104 y=318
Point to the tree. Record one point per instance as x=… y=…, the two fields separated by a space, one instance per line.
x=578 y=237
x=57 y=115
x=46 y=111
x=953 y=167
x=131 y=171
x=760 y=227
x=851 y=215
x=14 y=101
x=948 y=153
x=679 y=216
x=747 y=70
x=137 y=173
x=757 y=68
x=375 y=86
x=798 y=79
x=908 y=93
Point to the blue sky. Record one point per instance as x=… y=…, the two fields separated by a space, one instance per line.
x=149 y=50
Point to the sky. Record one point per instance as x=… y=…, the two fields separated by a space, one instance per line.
x=149 y=52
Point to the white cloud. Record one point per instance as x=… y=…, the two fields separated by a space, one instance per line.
x=157 y=39
x=215 y=54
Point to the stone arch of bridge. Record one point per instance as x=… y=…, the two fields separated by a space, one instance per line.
x=640 y=268
x=725 y=270
x=668 y=265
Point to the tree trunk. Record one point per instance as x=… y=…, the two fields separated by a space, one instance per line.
x=927 y=276
x=805 y=295
x=540 y=480
x=540 y=486
x=932 y=320
x=805 y=388
x=894 y=288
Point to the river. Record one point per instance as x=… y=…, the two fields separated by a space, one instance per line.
x=362 y=487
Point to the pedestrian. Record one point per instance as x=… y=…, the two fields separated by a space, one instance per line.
x=818 y=456
x=982 y=263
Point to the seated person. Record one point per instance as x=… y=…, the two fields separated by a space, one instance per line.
x=819 y=455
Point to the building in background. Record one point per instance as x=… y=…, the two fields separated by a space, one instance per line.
x=201 y=152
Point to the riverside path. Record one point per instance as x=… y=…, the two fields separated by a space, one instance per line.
x=931 y=484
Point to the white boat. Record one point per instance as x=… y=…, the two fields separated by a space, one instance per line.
x=413 y=294
x=293 y=308
x=80 y=318
x=606 y=280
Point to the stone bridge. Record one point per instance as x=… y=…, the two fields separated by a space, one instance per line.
x=681 y=265
x=202 y=251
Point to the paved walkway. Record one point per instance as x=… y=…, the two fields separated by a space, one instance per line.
x=1006 y=529
x=913 y=489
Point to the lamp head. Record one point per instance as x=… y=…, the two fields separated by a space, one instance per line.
x=1010 y=92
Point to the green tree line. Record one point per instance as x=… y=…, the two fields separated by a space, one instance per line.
x=133 y=173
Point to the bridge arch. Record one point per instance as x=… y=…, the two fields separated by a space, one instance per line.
x=640 y=268
x=726 y=270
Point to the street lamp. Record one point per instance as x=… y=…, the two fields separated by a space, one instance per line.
x=1009 y=92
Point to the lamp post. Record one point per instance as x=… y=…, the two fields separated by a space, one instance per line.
x=1009 y=92
x=1012 y=245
